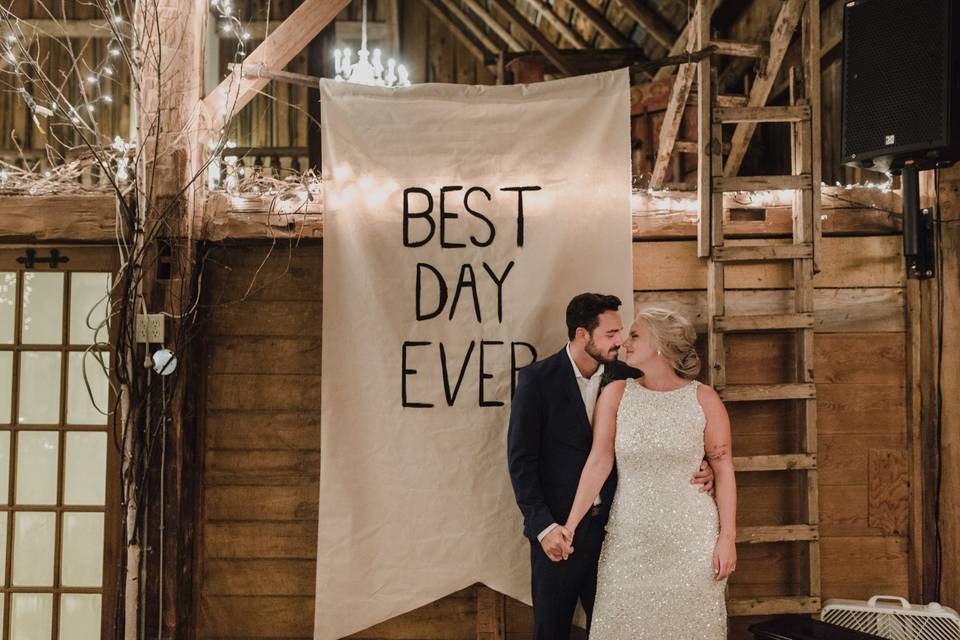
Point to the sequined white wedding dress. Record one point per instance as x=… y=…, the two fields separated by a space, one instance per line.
x=656 y=568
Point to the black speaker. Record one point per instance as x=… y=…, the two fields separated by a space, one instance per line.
x=901 y=86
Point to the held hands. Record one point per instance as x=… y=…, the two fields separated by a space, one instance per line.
x=558 y=544
x=724 y=556
x=704 y=477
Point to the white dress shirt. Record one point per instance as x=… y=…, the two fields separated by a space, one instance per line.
x=589 y=390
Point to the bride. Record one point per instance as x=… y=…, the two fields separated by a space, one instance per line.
x=667 y=552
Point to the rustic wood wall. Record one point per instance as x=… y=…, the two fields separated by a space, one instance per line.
x=262 y=438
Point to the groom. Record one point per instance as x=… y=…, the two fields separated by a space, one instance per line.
x=548 y=443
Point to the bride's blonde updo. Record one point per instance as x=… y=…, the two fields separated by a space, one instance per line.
x=674 y=338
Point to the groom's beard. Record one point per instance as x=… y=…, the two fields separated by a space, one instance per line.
x=609 y=358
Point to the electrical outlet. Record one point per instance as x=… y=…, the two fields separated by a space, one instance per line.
x=150 y=328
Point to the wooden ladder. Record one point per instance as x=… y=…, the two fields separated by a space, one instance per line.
x=714 y=179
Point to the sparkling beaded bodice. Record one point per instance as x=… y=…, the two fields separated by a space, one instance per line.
x=659 y=440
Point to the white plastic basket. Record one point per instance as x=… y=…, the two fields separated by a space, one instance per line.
x=894 y=618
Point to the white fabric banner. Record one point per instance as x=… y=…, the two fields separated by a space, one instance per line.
x=458 y=223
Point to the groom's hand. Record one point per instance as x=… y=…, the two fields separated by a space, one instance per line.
x=704 y=477
x=558 y=544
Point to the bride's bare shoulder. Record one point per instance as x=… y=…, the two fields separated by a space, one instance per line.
x=613 y=391
x=708 y=397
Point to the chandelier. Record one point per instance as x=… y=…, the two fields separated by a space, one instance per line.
x=368 y=69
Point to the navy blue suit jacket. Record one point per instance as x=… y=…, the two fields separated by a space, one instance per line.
x=549 y=440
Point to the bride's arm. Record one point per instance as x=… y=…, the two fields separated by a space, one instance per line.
x=600 y=461
x=717 y=444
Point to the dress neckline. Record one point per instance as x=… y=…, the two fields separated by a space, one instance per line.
x=637 y=381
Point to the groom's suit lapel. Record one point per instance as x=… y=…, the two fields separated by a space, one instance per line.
x=571 y=391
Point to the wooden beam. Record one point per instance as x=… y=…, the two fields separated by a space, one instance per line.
x=488 y=19
x=741 y=49
x=675 y=108
x=457 y=32
x=651 y=22
x=286 y=41
x=604 y=26
x=491 y=47
x=680 y=43
x=30 y=28
x=569 y=33
x=377 y=30
x=786 y=22
x=540 y=41
x=657 y=216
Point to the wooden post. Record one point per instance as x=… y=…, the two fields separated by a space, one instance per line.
x=939 y=365
x=490 y=614
x=167 y=112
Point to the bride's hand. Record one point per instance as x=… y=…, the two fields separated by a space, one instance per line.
x=724 y=556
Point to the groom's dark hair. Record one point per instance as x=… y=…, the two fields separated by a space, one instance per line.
x=584 y=311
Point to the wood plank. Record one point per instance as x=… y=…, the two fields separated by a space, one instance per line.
x=45 y=218
x=489 y=45
x=600 y=22
x=751 y=392
x=705 y=94
x=771 y=606
x=783 y=28
x=27 y=29
x=763 y=252
x=845 y=459
x=844 y=511
x=872 y=261
x=479 y=54
x=650 y=21
x=761 y=183
x=260 y=540
x=289 y=38
x=252 y=392
x=263 y=429
x=762 y=114
x=565 y=30
x=766 y=322
x=781 y=462
x=847 y=310
x=263 y=319
x=549 y=51
x=494 y=25
x=259 y=577
x=282 y=354
x=261 y=467
x=284 y=503
x=787 y=533
x=740 y=49
x=889 y=482
x=859 y=565
x=863 y=358
x=846 y=409
x=257 y=617
x=727 y=100
x=663 y=215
